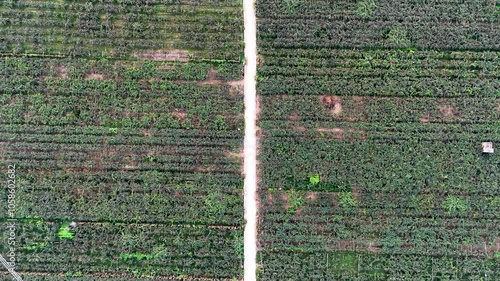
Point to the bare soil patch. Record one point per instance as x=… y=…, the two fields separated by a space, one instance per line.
x=337 y=133
x=448 y=111
x=239 y=155
x=179 y=114
x=333 y=103
x=62 y=71
x=311 y=195
x=96 y=76
x=426 y=118
x=236 y=87
x=164 y=55
x=294 y=116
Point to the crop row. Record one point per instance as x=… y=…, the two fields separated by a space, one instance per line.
x=112 y=70
x=388 y=10
x=118 y=29
x=378 y=109
x=93 y=131
x=349 y=266
x=168 y=250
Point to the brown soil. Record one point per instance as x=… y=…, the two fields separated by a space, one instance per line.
x=374 y=247
x=294 y=116
x=298 y=128
x=448 y=111
x=165 y=55
x=332 y=103
x=62 y=71
x=179 y=114
x=258 y=131
x=358 y=99
x=240 y=156
x=236 y=87
x=94 y=76
x=485 y=249
x=337 y=132
x=257 y=107
x=270 y=198
x=260 y=60
x=426 y=118
x=311 y=195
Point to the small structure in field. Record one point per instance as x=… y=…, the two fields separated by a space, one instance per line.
x=72 y=225
x=487 y=147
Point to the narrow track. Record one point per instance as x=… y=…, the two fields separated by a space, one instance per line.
x=250 y=162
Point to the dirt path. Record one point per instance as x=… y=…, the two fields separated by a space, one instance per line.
x=250 y=162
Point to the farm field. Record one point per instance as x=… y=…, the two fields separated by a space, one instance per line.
x=371 y=124
x=125 y=117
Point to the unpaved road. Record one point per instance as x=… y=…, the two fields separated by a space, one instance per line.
x=250 y=152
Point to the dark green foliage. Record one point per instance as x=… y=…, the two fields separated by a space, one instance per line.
x=388 y=102
x=124 y=116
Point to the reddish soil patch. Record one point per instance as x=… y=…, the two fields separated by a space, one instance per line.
x=448 y=111
x=236 y=87
x=240 y=155
x=426 y=118
x=294 y=117
x=332 y=103
x=146 y=133
x=374 y=247
x=299 y=128
x=284 y=197
x=258 y=131
x=62 y=71
x=260 y=60
x=164 y=55
x=270 y=198
x=95 y=76
x=485 y=249
x=311 y=195
x=257 y=107
x=129 y=167
x=358 y=99
x=179 y=114
x=336 y=132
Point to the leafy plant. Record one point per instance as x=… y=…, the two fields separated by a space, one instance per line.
x=137 y=256
x=454 y=205
x=295 y=200
x=36 y=246
x=365 y=8
x=398 y=36
x=346 y=200
x=64 y=232
x=314 y=179
x=220 y=123
x=291 y=6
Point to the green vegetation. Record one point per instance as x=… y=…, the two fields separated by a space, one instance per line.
x=365 y=8
x=387 y=102
x=137 y=256
x=64 y=232
x=124 y=115
x=454 y=205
